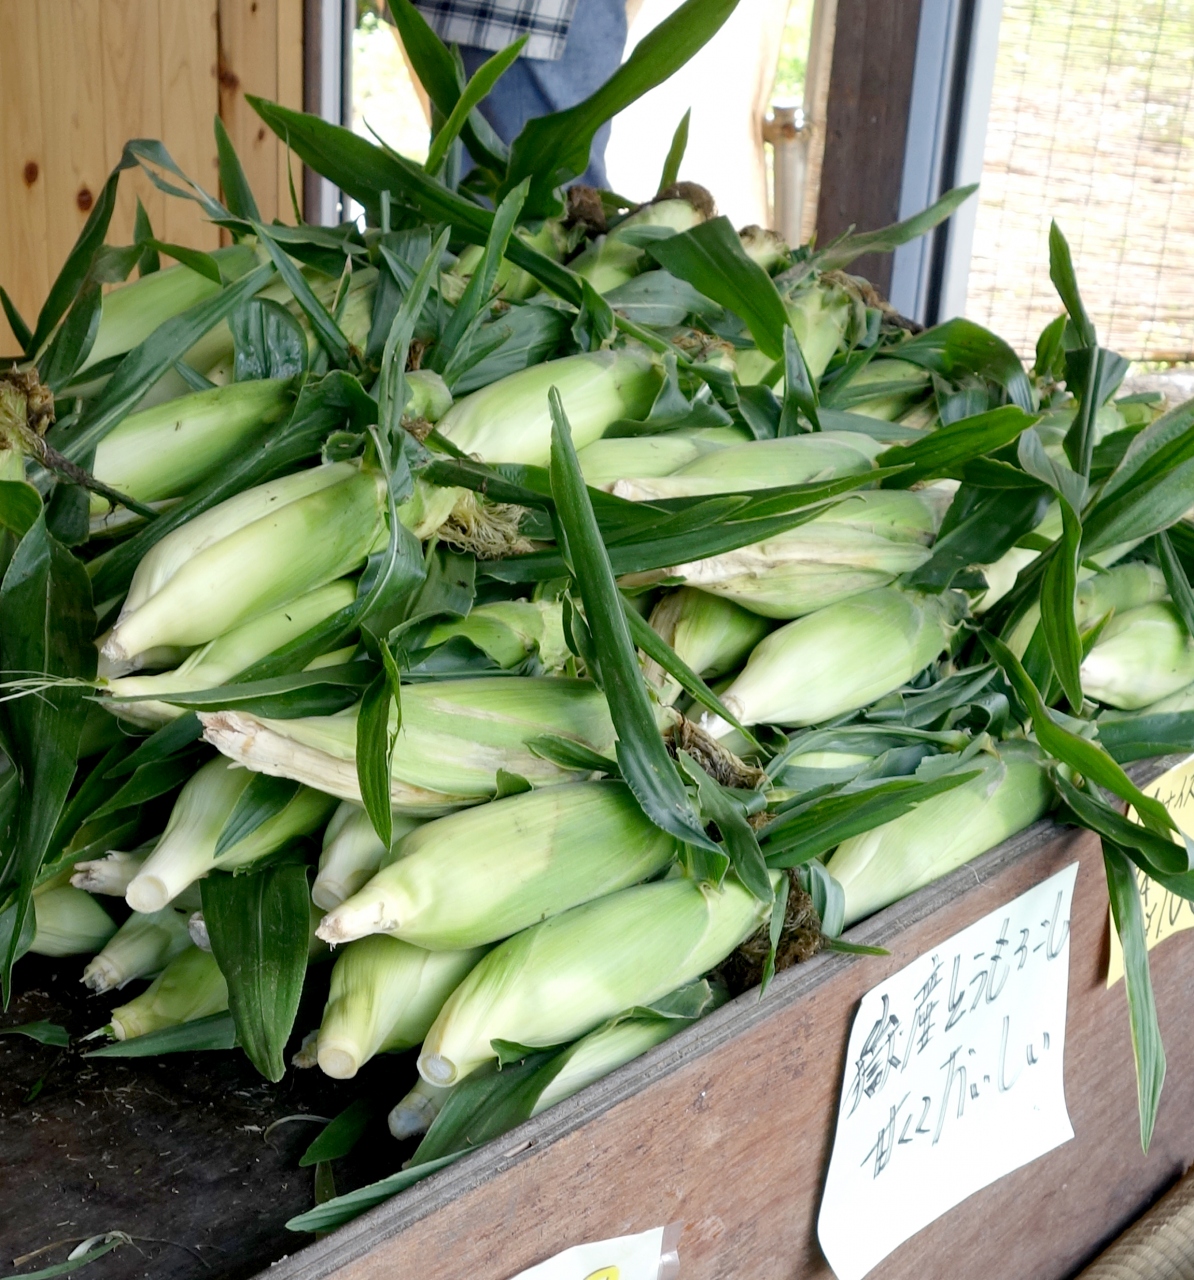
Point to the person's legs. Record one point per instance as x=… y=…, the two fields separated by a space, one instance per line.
x=535 y=87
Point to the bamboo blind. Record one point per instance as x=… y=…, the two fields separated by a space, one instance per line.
x=78 y=78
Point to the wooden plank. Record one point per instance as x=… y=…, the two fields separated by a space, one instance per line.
x=24 y=264
x=866 y=123
x=131 y=75
x=190 y=103
x=249 y=64
x=290 y=94
x=73 y=120
x=728 y=1126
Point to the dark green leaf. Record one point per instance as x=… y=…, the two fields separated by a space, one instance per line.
x=148 y=262
x=160 y=745
x=234 y=186
x=113 y=1241
x=42 y=1032
x=960 y=347
x=264 y=798
x=1061 y=272
x=775 y=929
x=216 y=1031
x=642 y=756
x=944 y=451
x=571 y=755
x=675 y=153
x=478 y=87
x=1147 y=1049
x=20 y=505
x=711 y=258
x=72 y=343
x=258 y=925
x=268 y=340
x=45 y=601
x=1137 y=737
x=20 y=330
x=1058 y=595
x=327 y=331
x=843 y=252
x=552 y=149
x=145 y=364
x=799 y=391
x=722 y=806
x=799 y=836
x=340 y=1136
x=335 y=1213
x=1093 y=374
x=375 y=745
x=1156 y=855
x=1087 y=757
x=147 y=783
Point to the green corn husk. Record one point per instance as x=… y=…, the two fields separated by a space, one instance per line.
x=510 y=631
x=1123 y=588
x=131 y=312
x=483 y=874
x=613 y=259
x=606 y=461
x=1182 y=700
x=238 y=571
x=897 y=385
x=187 y=850
x=625 y=1038
x=560 y=979
x=191 y=986
x=109 y=875
x=767 y=248
x=429 y=396
x=712 y=636
x=762 y=464
x=509 y=420
x=141 y=947
x=69 y=922
x=838 y=659
x=385 y=994
x=512 y=283
x=226 y=656
x=352 y=854
x=822 y=314
x=414 y=1113
x=455 y=736
x=863 y=542
x=165 y=451
x=886 y=864
x=1142 y=656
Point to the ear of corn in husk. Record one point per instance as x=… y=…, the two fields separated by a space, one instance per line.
x=415 y=1112
x=429 y=397
x=761 y=464
x=512 y=283
x=164 y=451
x=187 y=850
x=560 y=979
x=510 y=631
x=623 y=1039
x=838 y=659
x=1141 y=657
x=108 y=875
x=455 y=736
x=191 y=986
x=509 y=420
x=480 y=875
x=895 y=386
x=882 y=866
x=141 y=947
x=613 y=259
x=352 y=854
x=226 y=656
x=68 y=922
x=385 y=994
x=862 y=542
x=613 y=458
x=232 y=571
x=710 y=635
x=1120 y=589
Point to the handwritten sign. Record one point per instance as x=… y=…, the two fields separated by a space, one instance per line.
x=953 y=1078
x=1164 y=912
x=650 y=1255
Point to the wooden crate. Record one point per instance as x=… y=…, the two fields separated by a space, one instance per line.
x=728 y=1126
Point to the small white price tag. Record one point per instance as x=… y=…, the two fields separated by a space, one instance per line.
x=954 y=1077
x=647 y=1256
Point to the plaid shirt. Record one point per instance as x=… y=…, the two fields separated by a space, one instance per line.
x=493 y=24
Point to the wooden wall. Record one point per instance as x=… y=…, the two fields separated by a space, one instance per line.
x=78 y=78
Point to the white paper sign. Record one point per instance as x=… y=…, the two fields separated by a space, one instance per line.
x=953 y=1078
x=626 y=1258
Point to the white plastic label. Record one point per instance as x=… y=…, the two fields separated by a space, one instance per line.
x=647 y=1256
x=953 y=1078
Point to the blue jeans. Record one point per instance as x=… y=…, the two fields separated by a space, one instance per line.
x=533 y=87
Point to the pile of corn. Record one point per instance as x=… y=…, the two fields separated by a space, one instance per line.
x=332 y=535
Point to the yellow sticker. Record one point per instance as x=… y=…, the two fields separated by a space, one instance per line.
x=605 y=1273
x=1164 y=913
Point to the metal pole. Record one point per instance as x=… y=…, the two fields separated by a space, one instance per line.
x=786 y=133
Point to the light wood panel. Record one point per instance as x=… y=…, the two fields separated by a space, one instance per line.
x=79 y=78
